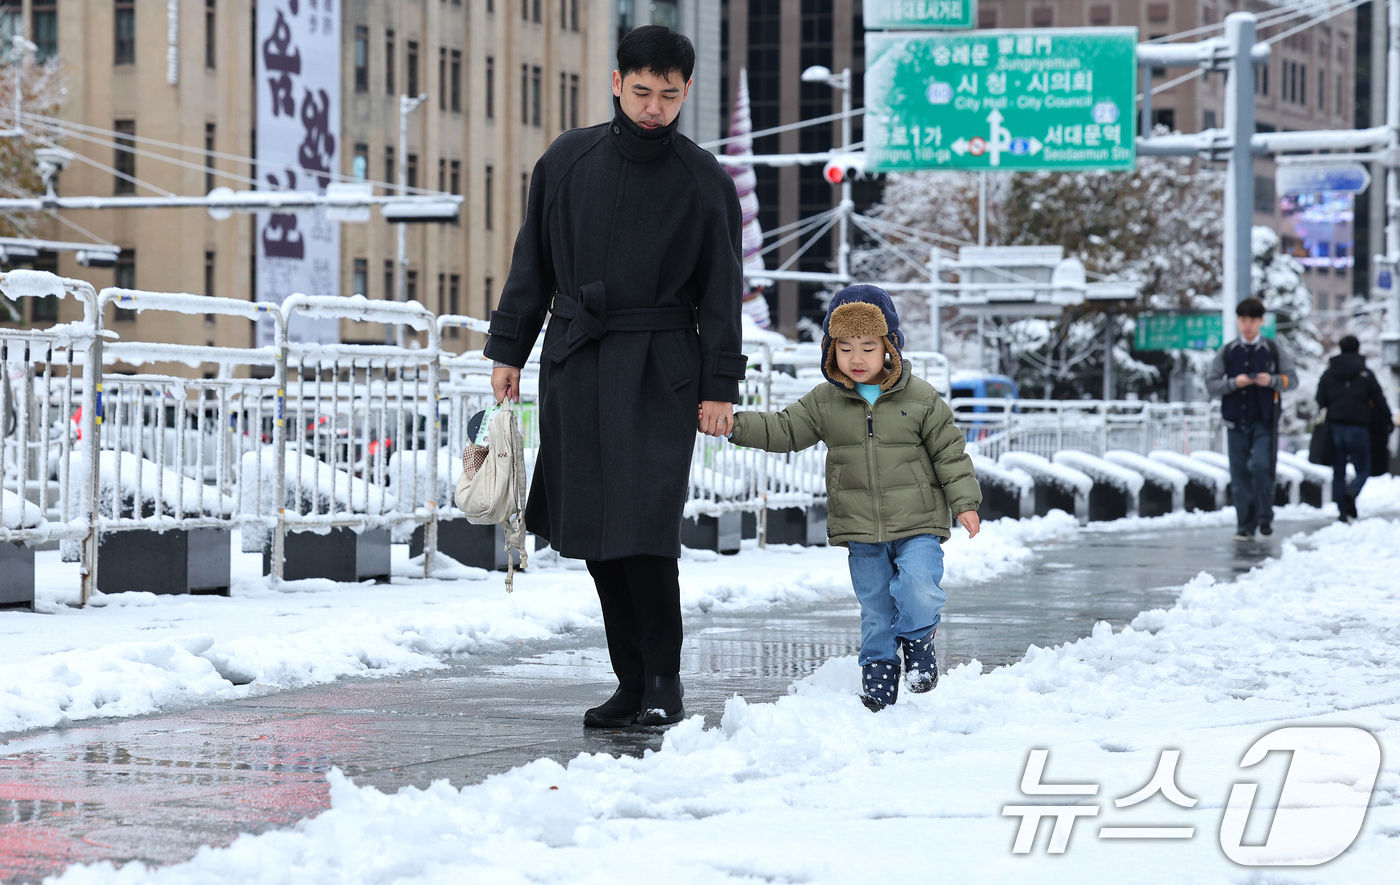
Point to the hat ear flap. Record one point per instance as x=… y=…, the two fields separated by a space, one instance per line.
x=896 y=363
x=832 y=372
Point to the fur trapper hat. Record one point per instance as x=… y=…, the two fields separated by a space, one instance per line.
x=858 y=311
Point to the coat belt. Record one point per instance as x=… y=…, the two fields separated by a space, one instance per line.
x=589 y=320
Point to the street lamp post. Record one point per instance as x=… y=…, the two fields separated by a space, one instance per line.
x=841 y=81
x=407 y=105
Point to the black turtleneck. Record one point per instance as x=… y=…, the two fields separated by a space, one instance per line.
x=632 y=228
x=638 y=144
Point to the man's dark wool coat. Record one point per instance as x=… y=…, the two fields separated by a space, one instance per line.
x=631 y=244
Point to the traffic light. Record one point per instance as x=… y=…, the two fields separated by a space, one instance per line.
x=847 y=167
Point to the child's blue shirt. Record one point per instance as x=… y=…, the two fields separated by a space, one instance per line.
x=871 y=392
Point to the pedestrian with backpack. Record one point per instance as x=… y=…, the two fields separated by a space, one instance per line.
x=1355 y=404
x=896 y=472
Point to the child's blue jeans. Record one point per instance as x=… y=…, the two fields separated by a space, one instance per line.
x=898 y=585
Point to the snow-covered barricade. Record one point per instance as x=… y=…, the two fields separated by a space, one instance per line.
x=1164 y=487
x=1006 y=490
x=1057 y=486
x=1116 y=489
x=1206 y=484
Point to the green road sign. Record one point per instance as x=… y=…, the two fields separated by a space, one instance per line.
x=1186 y=331
x=919 y=14
x=1001 y=100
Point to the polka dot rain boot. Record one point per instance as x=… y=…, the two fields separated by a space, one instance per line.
x=879 y=681
x=921 y=662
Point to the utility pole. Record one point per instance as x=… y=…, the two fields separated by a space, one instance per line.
x=407 y=104
x=1239 y=170
x=1390 y=338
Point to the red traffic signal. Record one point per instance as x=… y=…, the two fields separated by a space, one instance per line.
x=847 y=167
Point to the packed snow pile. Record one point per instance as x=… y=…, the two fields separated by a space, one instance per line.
x=1142 y=744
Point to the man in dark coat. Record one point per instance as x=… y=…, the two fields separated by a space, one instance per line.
x=1249 y=374
x=1355 y=404
x=631 y=243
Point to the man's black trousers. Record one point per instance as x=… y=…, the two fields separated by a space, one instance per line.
x=641 y=599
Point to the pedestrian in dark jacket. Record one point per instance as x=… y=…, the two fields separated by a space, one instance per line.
x=895 y=467
x=631 y=244
x=1355 y=403
x=1249 y=374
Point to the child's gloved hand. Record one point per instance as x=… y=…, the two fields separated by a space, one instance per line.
x=968 y=519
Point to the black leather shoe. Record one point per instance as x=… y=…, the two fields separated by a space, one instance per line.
x=618 y=711
x=1266 y=530
x=661 y=702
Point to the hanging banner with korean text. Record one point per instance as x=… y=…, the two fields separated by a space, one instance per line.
x=298 y=142
x=1012 y=101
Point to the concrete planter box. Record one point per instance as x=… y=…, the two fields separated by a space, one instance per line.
x=16 y=576
x=167 y=563
x=718 y=533
x=340 y=555
x=479 y=546
x=798 y=525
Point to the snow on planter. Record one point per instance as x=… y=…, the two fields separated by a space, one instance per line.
x=1206 y=483
x=1117 y=490
x=1288 y=479
x=1057 y=486
x=1006 y=490
x=17 y=513
x=316 y=493
x=1101 y=470
x=121 y=474
x=1164 y=489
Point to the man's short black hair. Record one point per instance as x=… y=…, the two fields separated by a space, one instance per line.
x=658 y=49
x=1250 y=307
x=1349 y=344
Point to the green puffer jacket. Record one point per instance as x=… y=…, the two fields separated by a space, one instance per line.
x=893 y=470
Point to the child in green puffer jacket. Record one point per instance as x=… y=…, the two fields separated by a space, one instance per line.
x=895 y=470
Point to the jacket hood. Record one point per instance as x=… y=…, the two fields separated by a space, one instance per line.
x=638 y=144
x=862 y=310
x=1347 y=365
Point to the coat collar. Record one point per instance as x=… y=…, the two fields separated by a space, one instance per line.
x=637 y=144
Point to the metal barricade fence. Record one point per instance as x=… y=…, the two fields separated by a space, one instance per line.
x=170 y=448
x=348 y=406
x=1044 y=427
x=360 y=436
x=47 y=407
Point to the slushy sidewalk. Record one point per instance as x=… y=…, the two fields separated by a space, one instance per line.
x=815 y=788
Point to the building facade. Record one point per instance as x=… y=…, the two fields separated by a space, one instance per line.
x=503 y=79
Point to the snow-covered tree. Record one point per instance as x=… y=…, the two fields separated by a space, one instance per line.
x=1276 y=278
x=1159 y=223
x=41 y=94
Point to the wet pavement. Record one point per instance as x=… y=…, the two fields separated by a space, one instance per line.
x=156 y=788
